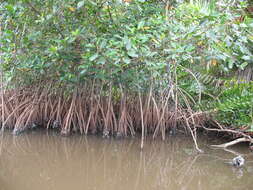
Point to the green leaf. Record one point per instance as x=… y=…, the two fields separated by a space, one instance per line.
x=190 y=48
x=48 y=17
x=9 y=8
x=103 y=44
x=126 y=60
x=243 y=65
x=80 y=4
x=83 y=71
x=93 y=3
x=53 y=49
x=230 y=64
x=101 y=61
x=211 y=35
x=127 y=43
x=246 y=58
x=140 y=25
x=76 y=32
x=132 y=53
x=93 y=57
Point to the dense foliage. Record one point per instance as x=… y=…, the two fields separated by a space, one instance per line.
x=193 y=47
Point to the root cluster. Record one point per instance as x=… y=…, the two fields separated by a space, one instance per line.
x=96 y=110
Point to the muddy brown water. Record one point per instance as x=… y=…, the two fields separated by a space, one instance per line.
x=42 y=160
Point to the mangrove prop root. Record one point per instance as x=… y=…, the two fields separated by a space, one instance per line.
x=92 y=110
x=142 y=124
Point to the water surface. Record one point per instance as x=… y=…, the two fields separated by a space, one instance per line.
x=46 y=161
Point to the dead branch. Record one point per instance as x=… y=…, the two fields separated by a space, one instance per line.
x=231 y=143
x=229 y=131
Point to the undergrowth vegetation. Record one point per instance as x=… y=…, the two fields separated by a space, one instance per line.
x=119 y=68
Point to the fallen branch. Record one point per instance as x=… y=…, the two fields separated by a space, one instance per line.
x=231 y=143
x=228 y=131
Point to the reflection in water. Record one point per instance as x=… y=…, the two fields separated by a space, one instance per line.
x=40 y=160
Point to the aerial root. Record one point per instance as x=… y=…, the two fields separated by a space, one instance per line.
x=91 y=110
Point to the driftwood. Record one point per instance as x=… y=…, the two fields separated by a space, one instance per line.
x=231 y=143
